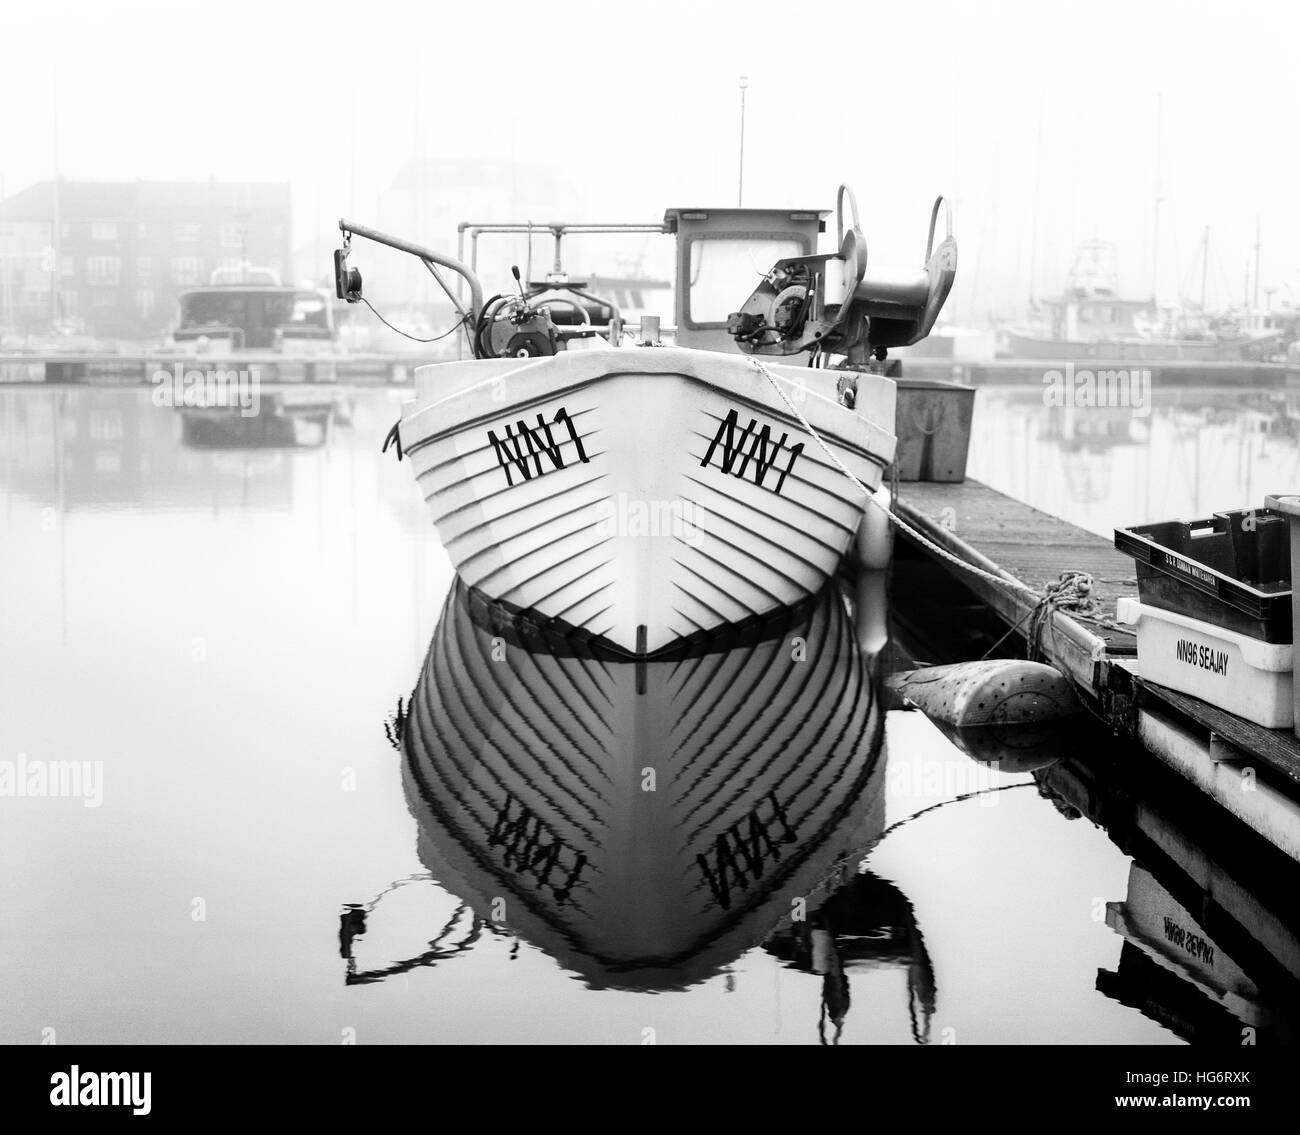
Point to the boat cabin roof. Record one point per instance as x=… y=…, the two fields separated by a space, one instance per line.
x=245 y=274
x=732 y=218
x=251 y=289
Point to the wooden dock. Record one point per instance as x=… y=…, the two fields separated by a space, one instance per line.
x=139 y=368
x=1008 y=537
x=1251 y=771
x=1246 y=374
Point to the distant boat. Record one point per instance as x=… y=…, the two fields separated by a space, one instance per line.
x=635 y=295
x=247 y=308
x=1091 y=320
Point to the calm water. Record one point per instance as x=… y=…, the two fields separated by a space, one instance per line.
x=236 y=634
x=1190 y=453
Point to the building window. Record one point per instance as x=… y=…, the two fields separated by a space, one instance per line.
x=144 y=266
x=102 y=269
x=68 y=265
x=144 y=301
x=188 y=233
x=186 y=269
x=68 y=303
x=231 y=236
x=103 y=230
x=105 y=425
x=102 y=297
x=141 y=231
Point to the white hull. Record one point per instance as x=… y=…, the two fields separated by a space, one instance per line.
x=642 y=496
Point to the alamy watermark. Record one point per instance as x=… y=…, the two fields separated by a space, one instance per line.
x=209 y=389
x=627 y=516
x=37 y=778
x=939 y=779
x=1089 y=389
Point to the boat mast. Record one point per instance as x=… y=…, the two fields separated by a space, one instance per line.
x=56 y=220
x=740 y=186
x=1033 y=232
x=1155 y=227
x=1257 y=249
x=7 y=310
x=1205 y=262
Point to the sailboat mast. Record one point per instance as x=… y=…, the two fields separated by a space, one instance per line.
x=740 y=180
x=1205 y=262
x=1257 y=251
x=1033 y=232
x=56 y=218
x=1155 y=223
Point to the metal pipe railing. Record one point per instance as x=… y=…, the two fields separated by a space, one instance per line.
x=425 y=254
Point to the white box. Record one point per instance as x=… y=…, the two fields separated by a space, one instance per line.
x=1232 y=671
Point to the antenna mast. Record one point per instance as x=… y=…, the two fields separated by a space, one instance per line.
x=740 y=187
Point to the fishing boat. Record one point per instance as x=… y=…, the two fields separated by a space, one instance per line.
x=640 y=494
x=248 y=308
x=643 y=822
x=1090 y=319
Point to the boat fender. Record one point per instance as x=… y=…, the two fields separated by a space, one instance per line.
x=991 y=691
x=875 y=535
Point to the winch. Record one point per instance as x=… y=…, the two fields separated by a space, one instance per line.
x=834 y=304
x=540 y=320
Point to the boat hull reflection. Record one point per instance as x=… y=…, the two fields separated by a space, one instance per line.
x=643 y=822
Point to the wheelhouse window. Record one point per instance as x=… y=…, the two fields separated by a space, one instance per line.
x=725 y=270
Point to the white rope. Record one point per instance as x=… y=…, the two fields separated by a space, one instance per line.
x=1002 y=580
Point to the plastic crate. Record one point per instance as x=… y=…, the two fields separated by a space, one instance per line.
x=1235 y=672
x=1232 y=570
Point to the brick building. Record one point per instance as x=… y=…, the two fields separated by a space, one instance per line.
x=124 y=250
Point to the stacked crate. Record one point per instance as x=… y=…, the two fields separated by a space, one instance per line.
x=1213 y=612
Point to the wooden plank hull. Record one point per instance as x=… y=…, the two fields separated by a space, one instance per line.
x=643 y=495
x=644 y=822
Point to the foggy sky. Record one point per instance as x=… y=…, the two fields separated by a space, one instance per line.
x=1014 y=110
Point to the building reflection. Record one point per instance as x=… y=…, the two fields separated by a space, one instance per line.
x=92 y=448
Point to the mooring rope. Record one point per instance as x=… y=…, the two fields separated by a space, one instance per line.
x=1006 y=580
x=1071 y=593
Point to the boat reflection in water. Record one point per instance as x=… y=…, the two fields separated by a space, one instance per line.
x=647 y=821
x=291 y=418
x=866 y=922
x=1210 y=926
